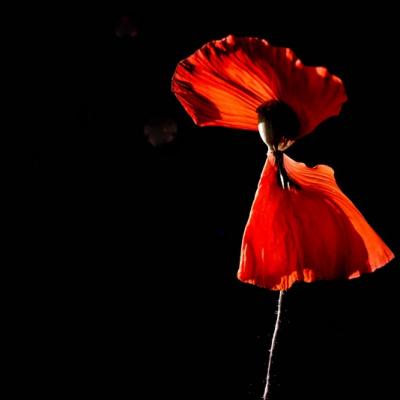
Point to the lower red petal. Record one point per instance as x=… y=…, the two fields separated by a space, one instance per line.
x=307 y=233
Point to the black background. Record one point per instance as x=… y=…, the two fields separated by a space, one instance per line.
x=137 y=295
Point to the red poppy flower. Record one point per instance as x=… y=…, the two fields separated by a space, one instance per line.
x=309 y=230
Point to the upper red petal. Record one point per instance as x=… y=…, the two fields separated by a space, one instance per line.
x=225 y=81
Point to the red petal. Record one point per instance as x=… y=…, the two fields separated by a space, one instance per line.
x=306 y=234
x=225 y=81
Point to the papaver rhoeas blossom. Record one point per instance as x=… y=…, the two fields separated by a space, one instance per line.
x=301 y=226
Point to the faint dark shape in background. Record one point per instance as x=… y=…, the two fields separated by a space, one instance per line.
x=160 y=129
x=126 y=27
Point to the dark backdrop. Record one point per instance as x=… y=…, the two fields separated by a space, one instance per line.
x=138 y=296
